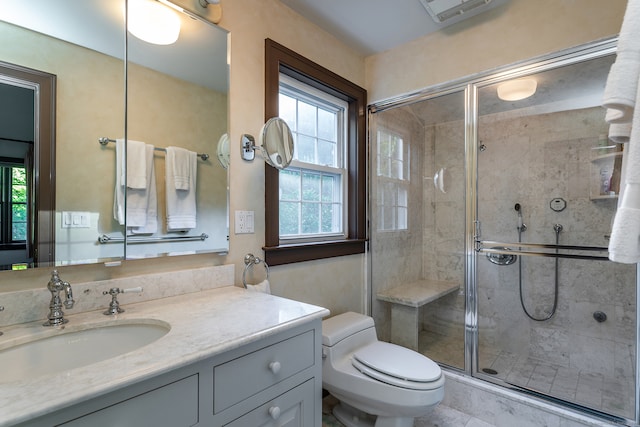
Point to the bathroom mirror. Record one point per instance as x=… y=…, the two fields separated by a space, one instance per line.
x=177 y=96
x=275 y=142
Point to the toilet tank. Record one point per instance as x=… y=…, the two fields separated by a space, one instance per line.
x=337 y=328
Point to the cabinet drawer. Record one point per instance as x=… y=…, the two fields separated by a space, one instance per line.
x=174 y=404
x=292 y=409
x=245 y=376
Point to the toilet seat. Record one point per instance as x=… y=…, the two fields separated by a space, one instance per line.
x=396 y=365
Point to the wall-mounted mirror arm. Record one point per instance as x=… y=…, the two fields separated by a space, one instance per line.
x=248 y=147
x=275 y=142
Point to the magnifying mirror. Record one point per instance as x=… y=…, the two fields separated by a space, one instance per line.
x=275 y=142
x=223 y=150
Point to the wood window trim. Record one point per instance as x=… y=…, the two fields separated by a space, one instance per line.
x=279 y=59
x=43 y=180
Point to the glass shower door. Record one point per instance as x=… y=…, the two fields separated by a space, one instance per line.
x=554 y=315
x=418 y=225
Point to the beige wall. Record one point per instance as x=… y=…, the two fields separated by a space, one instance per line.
x=518 y=30
x=334 y=283
x=483 y=42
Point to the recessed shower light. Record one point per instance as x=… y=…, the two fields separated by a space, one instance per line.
x=515 y=90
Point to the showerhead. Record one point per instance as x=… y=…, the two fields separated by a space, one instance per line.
x=517 y=207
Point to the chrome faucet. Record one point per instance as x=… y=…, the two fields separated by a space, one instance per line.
x=55 y=286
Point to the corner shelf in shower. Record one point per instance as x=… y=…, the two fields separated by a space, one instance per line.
x=597 y=163
x=406 y=301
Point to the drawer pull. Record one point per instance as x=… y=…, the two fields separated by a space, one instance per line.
x=274 y=367
x=274 y=411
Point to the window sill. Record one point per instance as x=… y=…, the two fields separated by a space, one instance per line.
x=286 y=254
x=13 y=247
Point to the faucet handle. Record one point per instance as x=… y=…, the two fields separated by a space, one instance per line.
x=114 y=305
x=69 y=301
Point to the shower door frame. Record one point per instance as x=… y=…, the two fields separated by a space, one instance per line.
x=472 y=232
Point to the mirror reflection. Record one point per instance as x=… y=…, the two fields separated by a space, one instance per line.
x=177 y=97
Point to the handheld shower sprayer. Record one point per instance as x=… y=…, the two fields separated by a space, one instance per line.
x=521 y=225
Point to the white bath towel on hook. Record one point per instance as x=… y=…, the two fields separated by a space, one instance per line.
x=622 y=98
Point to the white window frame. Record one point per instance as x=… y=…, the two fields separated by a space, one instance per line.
x=301 y=91
x=402 y=182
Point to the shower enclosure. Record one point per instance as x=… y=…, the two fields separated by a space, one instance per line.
x=489 y=226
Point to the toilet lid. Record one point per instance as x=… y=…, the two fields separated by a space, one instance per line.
x=396 y=365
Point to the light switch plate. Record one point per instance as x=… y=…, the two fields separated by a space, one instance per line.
x=244 y=222
x=76 y=219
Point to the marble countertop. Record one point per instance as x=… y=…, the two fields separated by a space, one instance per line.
x=203 y=324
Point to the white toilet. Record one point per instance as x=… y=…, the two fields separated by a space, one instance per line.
x=377 y=383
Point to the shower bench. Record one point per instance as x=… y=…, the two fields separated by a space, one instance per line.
x=406 y=301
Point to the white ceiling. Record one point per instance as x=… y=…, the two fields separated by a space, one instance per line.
x=373 y=26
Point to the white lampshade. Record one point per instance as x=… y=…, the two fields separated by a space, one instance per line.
x=153 y=22
x=515 y=90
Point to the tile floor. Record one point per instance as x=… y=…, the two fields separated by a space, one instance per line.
x=613 y=395
x=441 y=416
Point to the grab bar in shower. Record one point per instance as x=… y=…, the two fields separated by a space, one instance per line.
x=486 y=246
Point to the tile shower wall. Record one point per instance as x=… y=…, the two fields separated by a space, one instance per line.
x=530 y=160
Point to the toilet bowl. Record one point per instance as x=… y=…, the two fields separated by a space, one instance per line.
x=377 y=383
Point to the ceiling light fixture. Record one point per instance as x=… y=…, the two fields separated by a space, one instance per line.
x=515 y=90
x=153 y=22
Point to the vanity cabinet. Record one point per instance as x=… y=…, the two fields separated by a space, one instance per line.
x=273 y=380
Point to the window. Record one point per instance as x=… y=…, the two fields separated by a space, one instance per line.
x=13 y=203
x=393 y=175
x=312 y=188
x=316 y=207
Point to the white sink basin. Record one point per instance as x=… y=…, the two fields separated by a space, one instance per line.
x=70 y=349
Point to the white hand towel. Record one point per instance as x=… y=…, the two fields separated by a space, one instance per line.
x=620 y=132
x=625 y=234
x=263 y=287
x=118 y=196
x=619 y=95
x=624 y=246
x=147 y=198
x=620 y=91
x=136 y=165
x=181 y=204
x=180 y=159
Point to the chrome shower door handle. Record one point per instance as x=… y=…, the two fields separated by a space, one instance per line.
x=438 y=180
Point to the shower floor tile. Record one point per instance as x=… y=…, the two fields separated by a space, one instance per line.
x=613 y=395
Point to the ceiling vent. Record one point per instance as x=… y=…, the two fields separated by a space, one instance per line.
x=443 y=10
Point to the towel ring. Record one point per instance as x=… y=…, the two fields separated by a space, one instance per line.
x=249 y=261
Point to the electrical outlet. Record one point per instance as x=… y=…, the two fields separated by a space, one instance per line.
x=244 y=222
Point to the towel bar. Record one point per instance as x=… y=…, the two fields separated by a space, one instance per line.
x=105 y=140
x=104 y=239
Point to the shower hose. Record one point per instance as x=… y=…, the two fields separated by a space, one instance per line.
x=557 y=228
